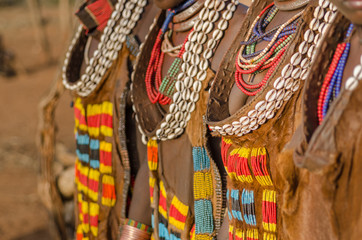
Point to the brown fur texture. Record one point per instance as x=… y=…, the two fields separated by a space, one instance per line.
x=274 y=135
x=326 y=202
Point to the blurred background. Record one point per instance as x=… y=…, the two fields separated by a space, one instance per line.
x=34 y=35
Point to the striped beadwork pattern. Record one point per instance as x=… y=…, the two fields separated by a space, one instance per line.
x=152 y=154
x=203 y=190
x=247 y=169
x=178 y=213
x=259 y=166
x=269 y=210
x=235 y=204
x=248 y=203
x=237 y=165
x=172 y=218
x=93 y=167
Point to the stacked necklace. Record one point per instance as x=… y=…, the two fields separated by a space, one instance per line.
x=120 y=24
x=253 y=62
x=333 y=79
x=159 y=90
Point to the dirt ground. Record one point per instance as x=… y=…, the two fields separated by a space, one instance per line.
x=22 y=215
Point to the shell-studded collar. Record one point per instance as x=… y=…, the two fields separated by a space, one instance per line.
x=281 y=87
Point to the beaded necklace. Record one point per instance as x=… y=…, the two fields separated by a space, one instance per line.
x=158 y=90
x=333 y=79
x=292 y=75
x=120 y=24
x=253 y=62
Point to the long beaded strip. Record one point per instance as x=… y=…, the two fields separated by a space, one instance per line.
x=194 y=67
x=269 y=58
x=289 y=81
x=333 y=79
x=153 y=77
x=127 y=13
x=138 y=225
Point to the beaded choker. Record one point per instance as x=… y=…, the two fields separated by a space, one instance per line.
x=122 y=21
x=251 y=62
x=159 y=90
x=332 y=82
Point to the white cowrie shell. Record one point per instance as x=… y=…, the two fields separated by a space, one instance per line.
x=323 y=3
x=197 y=49
x=208 y=53
x=305 y=63
x=193 y=37
x=174 y=124
x=309 y=36
x=269 y=114
x=209 y=4
x=260 y=106
x=204 y=65
x=188 y=46
x=253 y=123
x=186 y=94
x=270 y=106
x=201 y=76
x=296 y=73
x=198 y=25
x=182 y=105
x=252 y=113
x=217 y=34
x=191 y=107
x=333 y=7
x=321 y=27
x=357 y=72
x=296 y=86
x=288 y=95
x=311 y=51
x=211 y=43
x=207 y=27
x=318 y=12
x=261 y=115
x=351 y=83
x=303 y=47
x=314 y=24
x=304 y=74
x=171 y=136
x=261 y=121
x=279 y=104
x=159 y=132
x=178 y=131
x=188 y=82
x=244 y=121
x=183 y=124
x=280 y=94
x=173 y=108
x=164 y=125
x=179 y=86
x=197 y=86
x=219 y=5
x=236 y=124
x=317 y=38
x=176 y=97
x=279 y=83
x=186 y=56
x=288 y=83
x=223 y=24
x=168 y=131
x=271 y=95
x=185 y=66
x=168 y=118
x=204 y=14
x=227 y=15
x=179 y=116
x=296 y=58
x=213 y=16
x=287 y=70
x=194 y=96
x=195 y=59
x=192 y=71
x=201 y=38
